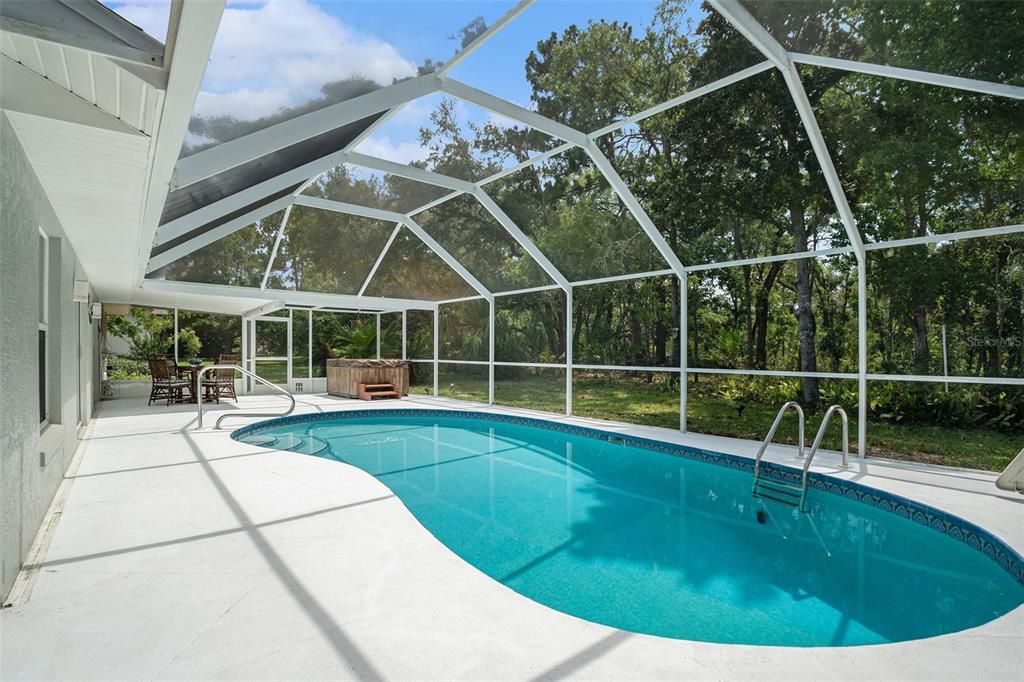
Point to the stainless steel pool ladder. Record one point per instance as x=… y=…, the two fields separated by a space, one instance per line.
x=771 y=489
x=790 y=493
x=199 y=396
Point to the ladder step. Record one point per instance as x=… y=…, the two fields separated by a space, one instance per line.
x=779 y=487
x=791 y=503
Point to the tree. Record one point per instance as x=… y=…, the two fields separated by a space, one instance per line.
x=146 y=332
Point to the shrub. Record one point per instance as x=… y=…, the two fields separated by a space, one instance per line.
x=126 y=369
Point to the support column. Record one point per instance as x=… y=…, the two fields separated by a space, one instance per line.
x=436 y=345
x=684 y=333
x=245 y=354
x=378 y=336
x=309 y=349
x=490 y=357
x=568 y=351
x=290 y=375
x=176 y=336
x=862 y=356
x=405 y=332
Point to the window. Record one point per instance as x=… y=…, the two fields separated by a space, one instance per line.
x=44 y=317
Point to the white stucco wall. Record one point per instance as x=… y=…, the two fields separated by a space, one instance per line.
x=28 y=481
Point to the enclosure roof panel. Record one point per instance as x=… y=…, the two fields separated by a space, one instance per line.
x=185 y=200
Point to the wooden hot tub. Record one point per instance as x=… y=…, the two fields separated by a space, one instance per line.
x=344 y=375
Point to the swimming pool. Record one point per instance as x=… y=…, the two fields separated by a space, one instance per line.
x=662 y=539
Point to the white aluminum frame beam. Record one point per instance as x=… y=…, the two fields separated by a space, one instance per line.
x=380 y=258
x=232 y=153
x=633 y=204
x=753 y=31
x=465 y=187
x=299 y=298
x=912 y=75
x=796 y=255
x=477 y=43
x=532 y=161
x=265 y=309
x=400 y=218
x=488 y=33
x=436 y=202
x=760 y=38
x=545 y=125
x=199 y=241
x=191 y=31
x=683 y=98
x=530 y=290
x=501 y=106
x=277 y=245
x=451 y=260
x=623 y=278
x=946 y=237
x=520 y=237
x=247 y=196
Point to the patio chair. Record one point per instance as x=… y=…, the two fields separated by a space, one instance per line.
x=221 y=382
x=166 y=383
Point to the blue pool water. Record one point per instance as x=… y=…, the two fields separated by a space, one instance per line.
x=657 y=543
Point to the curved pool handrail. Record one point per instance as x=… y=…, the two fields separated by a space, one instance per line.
x=821 y=435
x=199 y=396
x=775 y=427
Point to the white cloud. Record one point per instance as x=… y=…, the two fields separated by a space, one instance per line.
x=382 y=147
x=254 y=103
x=278 y=53
x=149 y=15
x=194 y=140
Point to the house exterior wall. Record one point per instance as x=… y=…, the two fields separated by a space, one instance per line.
x=33 y=459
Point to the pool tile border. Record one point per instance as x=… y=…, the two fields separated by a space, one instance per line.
x=957 y=528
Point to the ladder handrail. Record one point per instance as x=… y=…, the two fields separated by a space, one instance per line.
x=775 y=427
x=821 y=435
x=199 y=396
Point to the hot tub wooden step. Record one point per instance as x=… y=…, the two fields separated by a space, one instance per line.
x=378 y=392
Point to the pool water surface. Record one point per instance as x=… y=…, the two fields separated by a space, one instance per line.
x=656 y=543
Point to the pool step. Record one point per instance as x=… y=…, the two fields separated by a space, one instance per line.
x=378 y=392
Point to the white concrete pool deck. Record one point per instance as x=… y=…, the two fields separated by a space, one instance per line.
x=178 y=554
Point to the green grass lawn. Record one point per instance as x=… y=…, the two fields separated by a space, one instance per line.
x=657 y=404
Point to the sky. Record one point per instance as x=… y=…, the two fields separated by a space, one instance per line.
x=270 y=54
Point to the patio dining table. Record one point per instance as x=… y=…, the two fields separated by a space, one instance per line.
x=193 y=374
